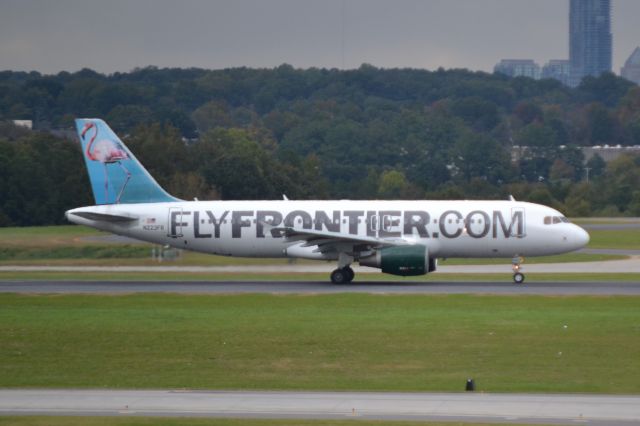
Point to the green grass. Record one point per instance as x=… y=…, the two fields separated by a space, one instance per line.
x=10 y=255
x=175 y=421
x=615 y=239
x=109 y=256
x=45 y=235
x=81 y=246
x=604 y=220
x=322 y=342
x=561 y=258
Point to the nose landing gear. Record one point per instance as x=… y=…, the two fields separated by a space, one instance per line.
x=518 y=277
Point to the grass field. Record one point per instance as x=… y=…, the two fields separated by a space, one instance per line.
x=615 y=239
x=604 y=220
x=81 y=246
x=146 y=421
x=322 y=342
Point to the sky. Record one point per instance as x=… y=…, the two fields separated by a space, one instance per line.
x=120 y=35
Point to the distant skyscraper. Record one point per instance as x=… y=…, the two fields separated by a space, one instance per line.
x=558 y=69
x=518 y=67
x=590 y=38
x=631 y=69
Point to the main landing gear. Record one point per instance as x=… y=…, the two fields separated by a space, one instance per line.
x=518 y=277
x=342 y=275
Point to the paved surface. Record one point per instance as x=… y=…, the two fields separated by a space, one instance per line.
x=320 y=287
x=567 y=409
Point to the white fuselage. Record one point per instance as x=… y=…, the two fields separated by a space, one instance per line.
x=447 y=228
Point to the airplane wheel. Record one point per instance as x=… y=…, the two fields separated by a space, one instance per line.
x=339 y=276
x=518 y=278
x=349 y=272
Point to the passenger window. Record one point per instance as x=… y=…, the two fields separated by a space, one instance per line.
x=547 y=220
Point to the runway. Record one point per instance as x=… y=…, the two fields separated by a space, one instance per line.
x=465 y=407
x=322 y=287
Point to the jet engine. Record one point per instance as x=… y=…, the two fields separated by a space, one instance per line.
x=401 y=260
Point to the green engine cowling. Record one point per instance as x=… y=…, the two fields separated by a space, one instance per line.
x=401 y=260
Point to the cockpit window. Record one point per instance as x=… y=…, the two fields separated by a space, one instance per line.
x=548 y=220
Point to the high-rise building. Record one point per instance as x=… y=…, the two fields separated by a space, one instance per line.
x=518 y=67
x=631 y=69
x=590 y=38
x=558 y=69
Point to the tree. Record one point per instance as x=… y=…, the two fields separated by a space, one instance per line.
x=596 y=166
x=601 y=124
x=210 y=115
x=607 y=89
x=578 y=201
x=622 y=178
x=528 y=112
x=479 y=156
x=393 y=185
x=479 y=113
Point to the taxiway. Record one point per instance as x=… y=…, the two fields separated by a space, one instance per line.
x=319 y=287
x=466 y=407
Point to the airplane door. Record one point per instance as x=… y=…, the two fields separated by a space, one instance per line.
x=175 y=222
x=374 y=225
x=386 y=223
x=519 y=223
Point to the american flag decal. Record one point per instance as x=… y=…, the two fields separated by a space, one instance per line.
x=151 y=220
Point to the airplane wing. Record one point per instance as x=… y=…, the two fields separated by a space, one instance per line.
x=335 y=241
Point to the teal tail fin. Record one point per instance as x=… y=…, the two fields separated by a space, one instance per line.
x=115 y=173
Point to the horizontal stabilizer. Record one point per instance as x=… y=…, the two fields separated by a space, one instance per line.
x=104 y=217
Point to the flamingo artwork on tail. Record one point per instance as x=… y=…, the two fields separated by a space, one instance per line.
x=106 y=151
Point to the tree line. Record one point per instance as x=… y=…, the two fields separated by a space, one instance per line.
x=324 y=133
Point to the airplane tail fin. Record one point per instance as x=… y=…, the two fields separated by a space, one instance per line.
x=117 y=177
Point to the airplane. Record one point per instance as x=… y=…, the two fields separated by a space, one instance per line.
x=399 y=237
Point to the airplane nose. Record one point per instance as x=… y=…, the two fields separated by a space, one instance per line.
x=581 y=237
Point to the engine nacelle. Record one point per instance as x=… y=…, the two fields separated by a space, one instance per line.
x=401 y=260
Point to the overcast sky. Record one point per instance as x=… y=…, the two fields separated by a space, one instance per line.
x=119 y=35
